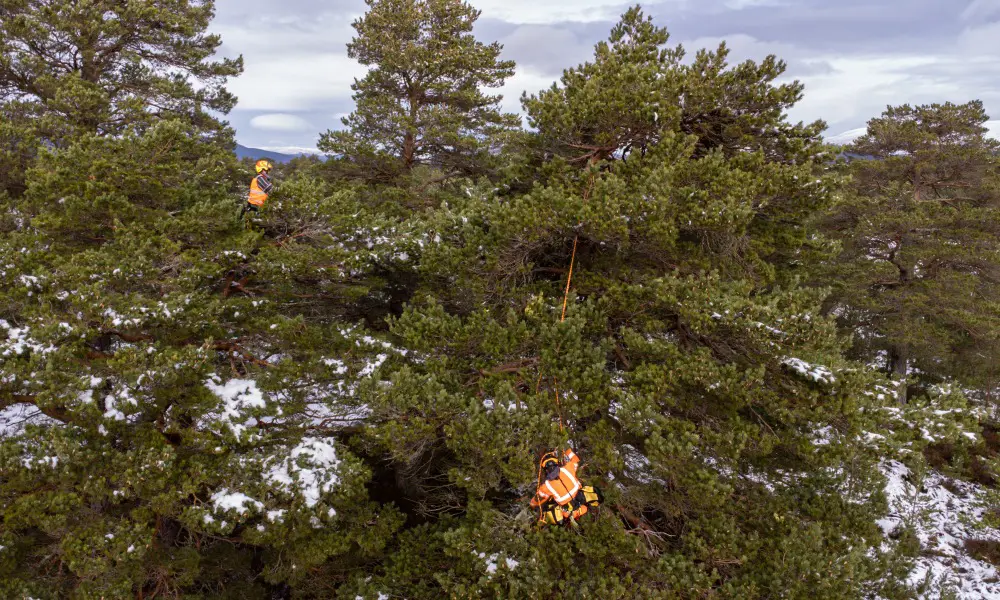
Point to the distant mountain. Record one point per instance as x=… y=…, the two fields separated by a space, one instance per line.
x=256 y=153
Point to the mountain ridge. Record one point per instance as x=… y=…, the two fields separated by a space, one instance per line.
x=242 y=152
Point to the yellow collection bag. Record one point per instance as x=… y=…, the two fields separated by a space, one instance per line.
x=592 y=496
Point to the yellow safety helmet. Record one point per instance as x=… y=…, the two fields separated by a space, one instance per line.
x=549 y=458
x=550 y=465
x=263 y=165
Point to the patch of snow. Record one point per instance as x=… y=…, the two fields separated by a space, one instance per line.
x=40 y=461
x=493 y=561
x=30 y=282
x=636 y=464
x=768 y=328
x=846 y=137
x=276 y=515
x=309 y=471
x=817 y=373
x=338 y=366
x=373 y=365
x=944 y=513
x=19 y=342
x=14 y=418
x=225 y=501
x=238 y=396
x=822 y=437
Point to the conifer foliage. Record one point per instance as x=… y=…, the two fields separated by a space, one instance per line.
x=349 y=398
x=422 y=102
x=103 y=66
x=920 y=266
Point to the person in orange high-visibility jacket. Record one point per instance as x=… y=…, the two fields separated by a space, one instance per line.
x=260 y=187
x=561 y=497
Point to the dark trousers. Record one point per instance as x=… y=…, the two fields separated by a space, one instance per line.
x=248 y=208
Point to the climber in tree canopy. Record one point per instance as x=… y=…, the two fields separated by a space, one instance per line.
x=561 y=497
x=260 y=187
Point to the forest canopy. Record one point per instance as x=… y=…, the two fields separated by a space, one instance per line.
x=757 y=343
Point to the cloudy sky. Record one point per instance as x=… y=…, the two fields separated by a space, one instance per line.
x=854 y=56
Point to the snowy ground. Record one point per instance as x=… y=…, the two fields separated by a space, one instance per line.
x=945 y=513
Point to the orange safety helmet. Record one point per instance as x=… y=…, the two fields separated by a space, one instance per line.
x=263 y=165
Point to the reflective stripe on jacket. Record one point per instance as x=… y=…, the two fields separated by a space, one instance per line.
x=259 y=189
x=565 y=488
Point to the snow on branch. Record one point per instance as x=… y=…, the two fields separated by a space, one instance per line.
x=817 y=373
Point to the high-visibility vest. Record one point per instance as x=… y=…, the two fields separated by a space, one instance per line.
x=257 y=196
x=566 y=487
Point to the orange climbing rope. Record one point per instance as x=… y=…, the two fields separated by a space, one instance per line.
x=569 y=282
x=569 y=279
x=562 y=319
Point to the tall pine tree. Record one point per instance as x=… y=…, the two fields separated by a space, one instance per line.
x=157 y=362
x=691 y=381
x=918 y=277
x=422 y=103
x=101 y=67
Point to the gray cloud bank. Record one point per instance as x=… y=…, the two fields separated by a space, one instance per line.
x=854 y=56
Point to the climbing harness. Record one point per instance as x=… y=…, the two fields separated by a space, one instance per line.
x=553 y=514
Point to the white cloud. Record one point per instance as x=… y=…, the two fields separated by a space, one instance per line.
x=291 y=149
x=280 y=122
x=981 y=9
x=297 y=64
x=546 y=47
x=293 y=64
x=524 y=80
x=741 y=4
x=847 y=136
x=541 y=12
x=295 y=82
x=859 y=88
x=742 y=47
x=981 y=40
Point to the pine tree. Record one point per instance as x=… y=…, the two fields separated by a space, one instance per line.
x=171 y=386
x=18 y=146
x=100 y=67
x=422 y=104
x=167 y=378
x=350 y=400
x=918 y=274
x=611 y=109
x=691 y=380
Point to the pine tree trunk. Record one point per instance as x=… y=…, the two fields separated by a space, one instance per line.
x=409 y=151
x=410 y=139
x=898 y=368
